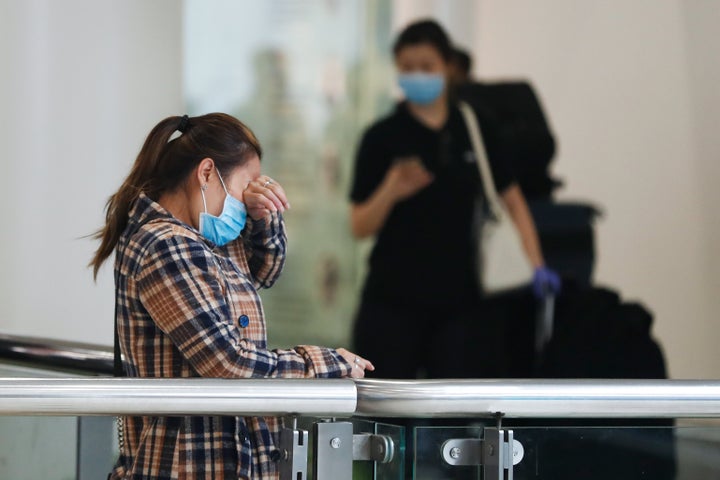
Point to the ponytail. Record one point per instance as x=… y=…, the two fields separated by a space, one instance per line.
x=119 y=204
x=164 y=163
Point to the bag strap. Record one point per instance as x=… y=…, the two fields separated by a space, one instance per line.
x=482 y=160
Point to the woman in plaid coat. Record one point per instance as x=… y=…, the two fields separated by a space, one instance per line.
x=197 y=230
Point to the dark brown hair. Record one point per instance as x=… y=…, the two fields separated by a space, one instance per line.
x=164 y=165
x=425 y=31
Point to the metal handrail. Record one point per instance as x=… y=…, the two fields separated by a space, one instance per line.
x=169 y=396
x=540 y=398
x=57 y=355
x=535 y=398
x=375 y=398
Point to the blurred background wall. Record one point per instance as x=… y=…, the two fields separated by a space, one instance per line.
x=82 y=83
x=630 y=89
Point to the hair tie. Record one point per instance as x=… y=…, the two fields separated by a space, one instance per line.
x=183 y=124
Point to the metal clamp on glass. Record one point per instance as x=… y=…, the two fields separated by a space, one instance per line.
x=294 y=451
x=332 y=450
x=376 y=448
x=497 y=452
x=335 y=448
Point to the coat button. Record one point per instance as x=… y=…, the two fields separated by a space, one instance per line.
x=244 y=321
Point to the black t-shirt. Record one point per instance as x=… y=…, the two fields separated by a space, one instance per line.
x=425 y=250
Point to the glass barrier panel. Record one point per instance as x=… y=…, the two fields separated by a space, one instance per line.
x=698 y=452
x=72 y=448
x=624 y=452
x=395 y=468
x=38 y=447
x=592 y=453
x=61 y=448
x=427 y=445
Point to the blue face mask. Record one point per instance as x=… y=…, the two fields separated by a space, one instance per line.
x=227 y=227
x=422 y=88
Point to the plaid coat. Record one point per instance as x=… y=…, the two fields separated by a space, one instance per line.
x=189 y=308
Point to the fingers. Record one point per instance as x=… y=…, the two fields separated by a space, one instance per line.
x=410 y=160
x=424 y=178
x=410 y=164
x=359 y=364
x=264 y=195
x=358 y=371
x=274 y=192
x=259 y=201
x=415 y=172
x=364 y=364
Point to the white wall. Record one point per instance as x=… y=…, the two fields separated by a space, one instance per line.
x=82 y=83
x=702 y=44
x=458 y=16
x=631 y=89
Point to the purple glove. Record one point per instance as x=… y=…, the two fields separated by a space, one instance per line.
x=545 y=281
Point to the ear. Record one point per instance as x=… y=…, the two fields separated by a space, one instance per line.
x=205 y=169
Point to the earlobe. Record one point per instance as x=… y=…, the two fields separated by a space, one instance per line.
x=205 y=170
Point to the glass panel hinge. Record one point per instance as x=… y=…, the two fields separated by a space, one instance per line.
x=497 y=452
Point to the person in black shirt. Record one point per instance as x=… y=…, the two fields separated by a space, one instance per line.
x=415 y=188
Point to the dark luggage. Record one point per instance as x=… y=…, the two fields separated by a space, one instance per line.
x=597 y=335
x=594 y=335
x=567 y=237
x=523 y=134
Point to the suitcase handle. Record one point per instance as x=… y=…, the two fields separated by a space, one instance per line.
x=544 y=323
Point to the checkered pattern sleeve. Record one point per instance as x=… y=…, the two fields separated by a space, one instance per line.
x=265 y=246
x=326 y=362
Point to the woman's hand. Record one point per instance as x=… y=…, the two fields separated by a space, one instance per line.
x=407 y=176
x=359 y=364
x=264 y=196
x=546 y=282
